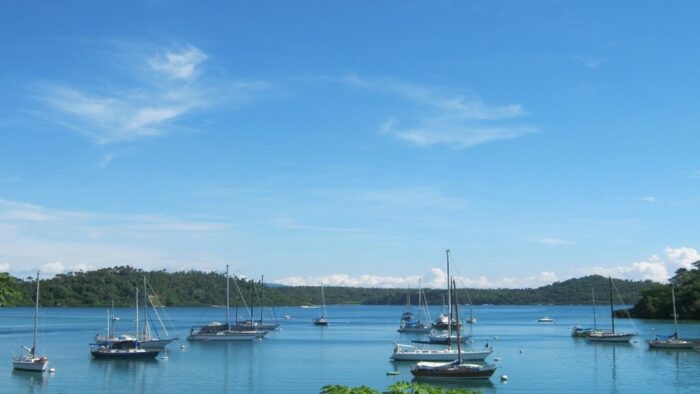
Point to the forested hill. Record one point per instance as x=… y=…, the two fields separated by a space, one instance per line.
x=656 y=302
x=195 y=288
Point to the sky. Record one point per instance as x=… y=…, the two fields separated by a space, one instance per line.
x=351 y=142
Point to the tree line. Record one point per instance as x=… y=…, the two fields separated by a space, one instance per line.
x=656 y=302
x=195 y=288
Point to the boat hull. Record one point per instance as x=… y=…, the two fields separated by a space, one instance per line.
x=125 y=355
x=36 y=364
x=413 y=354
x=610 y=338
x=671 y=344
x=452 y=372
x=227 y=336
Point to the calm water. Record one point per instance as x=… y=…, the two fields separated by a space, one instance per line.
x=353 y=350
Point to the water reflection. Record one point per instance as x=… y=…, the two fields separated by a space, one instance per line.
x=33 y=382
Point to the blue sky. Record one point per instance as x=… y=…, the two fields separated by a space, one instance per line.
x=351 y=143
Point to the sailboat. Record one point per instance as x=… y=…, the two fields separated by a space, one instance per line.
x=216 y=331
x=30 y=361
x=322 y=320
x=408 y=322
x=671 y=341
x=457 y=369
x=412 y=353
x=471 y=319
x=147 y=339
x=259 y=324
x=610 y=336
x=578 y=331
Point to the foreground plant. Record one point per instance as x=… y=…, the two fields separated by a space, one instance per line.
x=396 y=388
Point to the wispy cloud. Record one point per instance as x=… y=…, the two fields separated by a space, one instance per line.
x=590 y=62
x=154 y=105
x=654 y=268
x=647 y=199
x=551 y=241
x=291 y=224
x=409 y=197
x=447 y=119
x=691 y=174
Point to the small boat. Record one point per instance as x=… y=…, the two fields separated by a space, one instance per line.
x=127 y=349
x=322 y=320
x=443 y=338
x=223 y=332
x=408 y=323
x=581 y=332
x=671 y=341
x=610 y=336
x=29 y=361
x=545 y=319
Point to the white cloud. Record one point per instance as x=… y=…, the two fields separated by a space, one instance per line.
x=551 y=241
x=647 y=199
x=164 y=90
x=590 y=62
x=291 y=224
x=447 y=119
x=4 y=267
x=436 y=278
x=180 y=65
x=57 y=267
x=409 y=197
x=16 y=211
x=654 y=268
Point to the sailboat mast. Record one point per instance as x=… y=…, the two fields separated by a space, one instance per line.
x=449 y=301
x=675 y=316
x=612 y=312
x=36 y=314
x=595 y=324
x=146 y=334
x=137 y=313
x=228 y=320
x=262 y=287
x=459 y=341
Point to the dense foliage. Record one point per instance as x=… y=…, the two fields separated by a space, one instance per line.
x=396 y=388
x=196 y=288
x=656 y=302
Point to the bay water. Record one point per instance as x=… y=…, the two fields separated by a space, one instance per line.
x=353 y=350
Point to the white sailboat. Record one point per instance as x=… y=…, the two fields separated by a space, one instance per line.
x=220 y=332
x=610 y=336
x=413 y=353
x=672 y=341
x=29 y=361
x=322 y=320
x=457 y=369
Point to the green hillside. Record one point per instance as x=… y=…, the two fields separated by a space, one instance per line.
x=196 y=288
x=656 y=302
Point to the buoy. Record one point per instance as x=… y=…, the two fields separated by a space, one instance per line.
x=495 y=337
x=471 y=341
x=521 y=350
x=504 y=378
x=497 y=359
x=182 y=346
x=52 y=370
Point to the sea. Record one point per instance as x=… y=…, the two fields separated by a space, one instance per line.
x=353 y=350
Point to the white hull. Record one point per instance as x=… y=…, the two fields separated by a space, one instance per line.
x=616 y=338
x=227 y=336
x=671 y=344
x=410 y=353
x=36 y=364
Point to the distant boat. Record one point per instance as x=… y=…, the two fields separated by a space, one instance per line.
x=578 y=331
x=457 y=369
x=310 y=306
x=610 y=336
x=545 y=319
x=322 y=320
x=223 y=332
x=408 y=323
x=30 y=361
x=672 y=341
